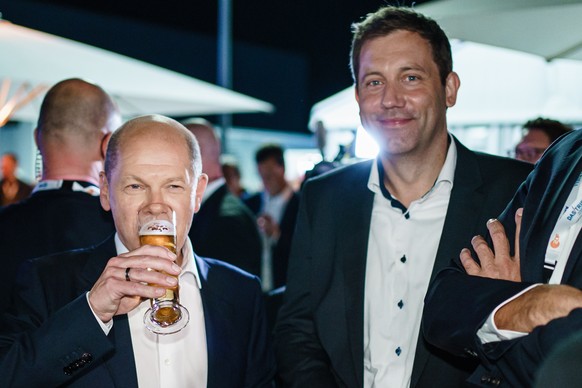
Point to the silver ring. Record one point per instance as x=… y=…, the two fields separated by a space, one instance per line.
x=127 y=274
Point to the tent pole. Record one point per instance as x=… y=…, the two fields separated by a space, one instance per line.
x=224 y=61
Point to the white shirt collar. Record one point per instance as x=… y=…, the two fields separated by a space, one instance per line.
x=447 y=173
x=188 y=266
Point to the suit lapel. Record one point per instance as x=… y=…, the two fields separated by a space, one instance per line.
x=547 y=207
x=463 y=209
x=121 y=364
x=217 y=314
x=352 y=246
x=568 y=181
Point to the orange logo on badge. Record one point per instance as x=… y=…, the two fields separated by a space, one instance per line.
x=555 y=242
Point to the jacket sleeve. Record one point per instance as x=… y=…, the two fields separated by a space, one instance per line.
x=301 y=360
x=39 y=348
x=260 y=359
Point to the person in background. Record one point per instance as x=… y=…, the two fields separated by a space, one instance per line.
x=224 y=228
x=371 y=235
x=232 y=177
x=276 y=210
x=537 y=135
x=12 y=189
x=80 y=313
x=75 y=121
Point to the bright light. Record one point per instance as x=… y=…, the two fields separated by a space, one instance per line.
x=298 y=161
x=366 y=146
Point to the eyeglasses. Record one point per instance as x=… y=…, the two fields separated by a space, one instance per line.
x=527 y=154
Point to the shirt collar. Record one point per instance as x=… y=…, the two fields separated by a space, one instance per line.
x=284 y=195
x=188 y=265
x=50 y=184
x=446 y=175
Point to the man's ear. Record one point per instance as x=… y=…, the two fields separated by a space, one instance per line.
x=104 y=193
x=104 y=143
x=200 y=188
x=452 y=85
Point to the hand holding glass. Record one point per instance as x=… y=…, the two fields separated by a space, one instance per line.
x=166 y=315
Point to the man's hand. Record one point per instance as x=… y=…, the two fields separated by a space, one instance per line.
x=537 y=307
x=498 y=265
x=267 y=225
x=112 y=294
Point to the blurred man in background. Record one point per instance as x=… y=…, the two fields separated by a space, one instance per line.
x=12 y=189
x=224 y=228
x=232 y=177
x=276 y=210
x=537 y=135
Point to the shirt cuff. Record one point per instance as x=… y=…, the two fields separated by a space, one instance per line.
x=489 y=331
x=106 y=327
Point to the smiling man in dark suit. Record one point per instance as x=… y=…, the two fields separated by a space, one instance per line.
x=77 y=317
x=370 y=236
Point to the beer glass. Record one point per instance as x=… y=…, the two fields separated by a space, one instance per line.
x=166 y=315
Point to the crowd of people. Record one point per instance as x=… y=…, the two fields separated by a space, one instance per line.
x=431 y=265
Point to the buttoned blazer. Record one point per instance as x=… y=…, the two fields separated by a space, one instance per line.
x=48 y=222
x=469 y=300
x=225 y=229
x=320 y=328
x=51 y=329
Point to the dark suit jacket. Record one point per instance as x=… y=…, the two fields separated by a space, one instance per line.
x=457 y=305
x=48 y=222
x=51 y=327
x=225 y=229
x=282 y=248
x=320 y=328
x=24 y=190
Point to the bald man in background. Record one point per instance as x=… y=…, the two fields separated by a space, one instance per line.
x=75 y=121
x=224 y=228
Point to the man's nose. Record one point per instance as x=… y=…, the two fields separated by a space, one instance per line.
x=157 y=208
x=392 y=96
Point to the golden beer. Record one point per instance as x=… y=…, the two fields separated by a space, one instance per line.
x=165 y=310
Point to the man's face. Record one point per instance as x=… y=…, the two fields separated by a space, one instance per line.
x=273 y=175
x=402 y=100
x=152 y=169
x=8 y=167
x=532 y=146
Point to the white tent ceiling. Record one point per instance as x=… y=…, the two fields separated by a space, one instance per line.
x=37 y=59
x=548 y=28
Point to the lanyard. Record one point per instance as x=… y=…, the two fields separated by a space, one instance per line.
x=556 y=255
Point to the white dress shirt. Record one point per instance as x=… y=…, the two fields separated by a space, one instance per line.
x=273 y=206
x=401 y=253
x=172 y=360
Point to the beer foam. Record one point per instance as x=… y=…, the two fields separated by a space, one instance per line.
x=157 y=227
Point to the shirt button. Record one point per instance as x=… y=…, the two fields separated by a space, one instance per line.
x=400 y=304
x=167 y=362
x=403 y=259
x=398 y=351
